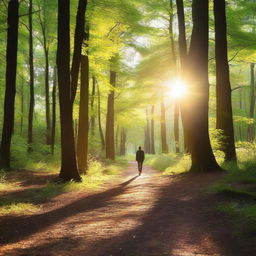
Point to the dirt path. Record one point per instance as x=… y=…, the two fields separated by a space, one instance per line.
x=141 y=216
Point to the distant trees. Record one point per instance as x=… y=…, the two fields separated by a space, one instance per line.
x=10 y=83
x=163 y=130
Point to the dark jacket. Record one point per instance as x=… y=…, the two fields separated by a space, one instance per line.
x=140 y=156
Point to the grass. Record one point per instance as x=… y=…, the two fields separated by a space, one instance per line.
x=28 y=201
x=238 y=191
x=169 y=164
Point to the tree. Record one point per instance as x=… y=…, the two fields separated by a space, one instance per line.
x=99 y=119
x=163 y=129
x=224 y=120
x=152 y=131
x=92 y=121
x=202 y=156
x=110 y=134
x=31 y=74
x=251 y=126
x=183 y=55
x=69 y=168
x=53 y=109
x=10 y=85
x=83 y=124
x=78 y=41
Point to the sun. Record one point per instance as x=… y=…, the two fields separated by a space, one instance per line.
x=178 y=89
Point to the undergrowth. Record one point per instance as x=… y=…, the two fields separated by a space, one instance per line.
x=18 y=200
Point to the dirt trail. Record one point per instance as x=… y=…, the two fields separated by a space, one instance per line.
x=147 y=215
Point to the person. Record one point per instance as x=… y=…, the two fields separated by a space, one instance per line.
x=140 y=156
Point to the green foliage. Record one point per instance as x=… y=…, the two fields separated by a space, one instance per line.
x=169 y=164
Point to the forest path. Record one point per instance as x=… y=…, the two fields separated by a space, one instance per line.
x=147 y=215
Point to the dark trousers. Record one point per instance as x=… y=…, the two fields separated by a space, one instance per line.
x=140 y=166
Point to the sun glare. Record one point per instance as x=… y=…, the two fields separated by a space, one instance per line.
x=178 y=89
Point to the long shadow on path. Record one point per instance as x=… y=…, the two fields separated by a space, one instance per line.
x=28 y=225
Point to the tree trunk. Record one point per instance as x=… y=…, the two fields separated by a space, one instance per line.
x=163 y=129
x=78 y=41
x=152 y=131
x=10 y=87
x=176 y=126
x=69 y=169
x=99 y=119
x=224 y=118
x=83 y=126
x=21 y=107
x=122 y=142
x=117 y=134
x=47 y=100
x=148 y=142
x=92 y=122
x=202 y=156
x=110 y=140
x=183 y=57
x=251 y=126
x=31 y=84
x=54 y=109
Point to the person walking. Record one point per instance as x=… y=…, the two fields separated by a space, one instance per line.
x=140 y=157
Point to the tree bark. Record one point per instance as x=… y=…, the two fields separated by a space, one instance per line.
x=148 y=142
x=10 y=87
x=202 y=156
x=21 y=107
x=251 y=126
x=152 y=131
x=99 y=120
x=224 y=120
x=163 y=129
x=78 y=41
x=176 y=126
x=92 y=122
x=110 y=136
x=69 y=169
x=122 y=142
x=183 y=57
x=83 y=125
x=54 y=109
x=31 y=84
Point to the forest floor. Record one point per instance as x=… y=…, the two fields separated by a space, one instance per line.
x=131 y=215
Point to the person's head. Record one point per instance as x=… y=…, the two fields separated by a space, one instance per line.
x=139 y=147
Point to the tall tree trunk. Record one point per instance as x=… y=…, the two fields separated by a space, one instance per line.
x=163 y=130
x=251 y=126
x=122 y=142
x=54 y=109
x=174 y=63
x=223 y=88
x=117 y=134
x=69 y=169
x=78 y=41
x=10 y=87
x=176 y=126
x=99 y=119
x=46 y=81
x=92 y=122
x=110 y=136
x=183 y=57
x=152 y=131
x=47 y=100
x=202 y=156
x=31 y=84
x=83 y=126
x=21 y=107
x=148 y=142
